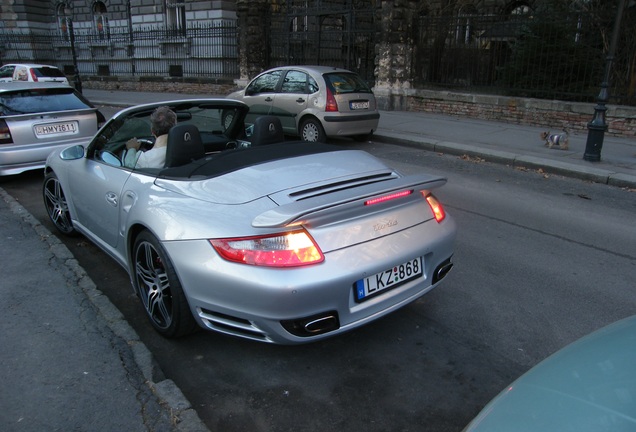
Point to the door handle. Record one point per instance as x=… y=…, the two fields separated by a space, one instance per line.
x=300 y=100
x=111 y=198
x=268 y=99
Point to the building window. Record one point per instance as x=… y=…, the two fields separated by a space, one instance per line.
x=175 y=16
x=464 y=29
x=101 y=21
x=63 y=21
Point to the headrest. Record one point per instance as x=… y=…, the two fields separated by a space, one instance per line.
x=184 y=145
x=267 y=130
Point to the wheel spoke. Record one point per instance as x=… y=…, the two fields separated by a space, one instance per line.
x=153 y=284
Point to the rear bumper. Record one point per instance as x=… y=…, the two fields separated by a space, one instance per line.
x=350 y=124
x=254 y=302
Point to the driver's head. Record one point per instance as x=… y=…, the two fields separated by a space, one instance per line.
x=162 y=119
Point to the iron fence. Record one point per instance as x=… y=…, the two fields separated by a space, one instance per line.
x=202 y=51
x=530 y=56
x=341 y=38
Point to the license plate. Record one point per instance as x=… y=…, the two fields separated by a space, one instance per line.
x=357 y=105
x=391 y=278
x=66 y=128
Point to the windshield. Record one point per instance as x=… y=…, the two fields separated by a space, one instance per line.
x=343 y=82
x=31 y=101
x=48 y=72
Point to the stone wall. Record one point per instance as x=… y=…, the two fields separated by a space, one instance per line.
x=204 y=86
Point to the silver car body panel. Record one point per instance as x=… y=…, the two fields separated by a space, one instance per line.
x=323 y=193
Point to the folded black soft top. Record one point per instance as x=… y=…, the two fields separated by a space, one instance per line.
x=235 y=159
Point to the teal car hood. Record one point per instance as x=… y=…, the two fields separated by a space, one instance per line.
x=590 y=385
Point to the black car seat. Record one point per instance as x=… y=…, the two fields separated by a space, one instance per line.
x=184 y=145
x=267 y=130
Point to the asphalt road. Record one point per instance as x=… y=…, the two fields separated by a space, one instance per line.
x=541 y=260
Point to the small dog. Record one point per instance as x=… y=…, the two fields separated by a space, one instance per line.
x=561 y=140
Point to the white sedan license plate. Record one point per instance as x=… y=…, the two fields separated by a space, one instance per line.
x=391 y=278
x=358 y=105
x=65 y=128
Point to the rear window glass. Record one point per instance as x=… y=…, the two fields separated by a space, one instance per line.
x=41 y=100
x=48 y=72
x=341 y=83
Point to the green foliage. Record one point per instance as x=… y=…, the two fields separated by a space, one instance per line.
x=555 y=53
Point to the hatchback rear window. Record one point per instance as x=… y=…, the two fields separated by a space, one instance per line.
x=41 y=100
x=340 y=83
x=48 y=72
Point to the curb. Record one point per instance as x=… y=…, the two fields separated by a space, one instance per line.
x=178 y=406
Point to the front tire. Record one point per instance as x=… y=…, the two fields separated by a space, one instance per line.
x=159 y=288
x=311 y=130
x=56 y=205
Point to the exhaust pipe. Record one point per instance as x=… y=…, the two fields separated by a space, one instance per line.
x=442 y=270
x=313 y=325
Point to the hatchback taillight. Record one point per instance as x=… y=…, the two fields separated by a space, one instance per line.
x=288 y=249
x=332 y=105
x=33 y=75
x=5 y=133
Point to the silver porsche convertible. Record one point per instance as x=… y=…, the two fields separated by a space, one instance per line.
x=246 y=234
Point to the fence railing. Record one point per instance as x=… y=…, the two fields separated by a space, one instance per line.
x=529 y=56
x=204 y=51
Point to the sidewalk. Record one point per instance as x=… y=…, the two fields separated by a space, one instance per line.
x=509 y=144
x=69 y=361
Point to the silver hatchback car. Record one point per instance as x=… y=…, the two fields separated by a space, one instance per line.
x=313 y=102
x=37 y=118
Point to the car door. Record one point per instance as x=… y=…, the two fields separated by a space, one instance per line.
x=291 y=100
x=97 y=184
x=260 y=94
x=96 y=191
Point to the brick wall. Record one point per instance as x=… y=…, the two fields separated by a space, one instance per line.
x=205 y=86
x=551 y=114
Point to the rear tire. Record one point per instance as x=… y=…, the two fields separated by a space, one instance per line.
x=159 y=289
x=311 y=130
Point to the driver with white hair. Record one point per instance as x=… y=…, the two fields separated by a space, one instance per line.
x=162 y=120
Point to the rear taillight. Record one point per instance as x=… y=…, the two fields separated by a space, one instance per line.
x=5 y=133
x=33 y=75
x=289 y=249
x=332 y=105
x=436 y=207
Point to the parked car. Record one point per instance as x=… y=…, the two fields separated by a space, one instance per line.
x=32 y=73
x=37 y=118
x=249 y=235
x=588 y=386
x=313 y=102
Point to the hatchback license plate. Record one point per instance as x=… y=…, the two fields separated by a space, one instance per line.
x=391 y=278
x=358 y=105
x=66 y=128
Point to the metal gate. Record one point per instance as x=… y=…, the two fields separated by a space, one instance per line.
x=327 y=33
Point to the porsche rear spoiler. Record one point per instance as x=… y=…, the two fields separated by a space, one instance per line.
x=298 y=212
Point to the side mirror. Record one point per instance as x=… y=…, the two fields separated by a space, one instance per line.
x=72 y=153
